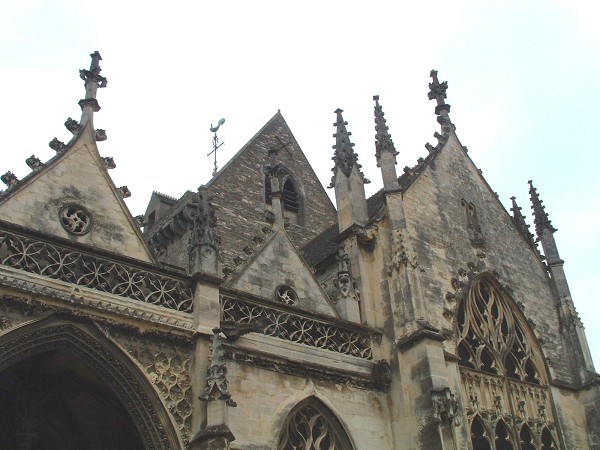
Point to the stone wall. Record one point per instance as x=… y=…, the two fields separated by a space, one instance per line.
x=265 y=398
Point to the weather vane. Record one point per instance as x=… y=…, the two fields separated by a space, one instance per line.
x=216 y=143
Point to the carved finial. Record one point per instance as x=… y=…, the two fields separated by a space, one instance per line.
x=56 y=145
x=100 y=135
x=10 y=179
x=344 y=157
x=519 y=221
x=34 y=163
x=125 y=192
x=540 y=217
x=217 y=384
x=93 y=75
x=141 y=220
x=437 y=91
x=109 y=162
x=383 y=139
x=72 y=125
x=93 y=81
x=204 y=244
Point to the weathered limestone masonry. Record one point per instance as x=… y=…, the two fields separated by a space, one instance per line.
x=251 y=314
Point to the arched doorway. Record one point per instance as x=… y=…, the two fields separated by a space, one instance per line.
x=65 y=385
x=55 y=401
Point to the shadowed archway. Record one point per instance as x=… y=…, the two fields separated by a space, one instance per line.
x=70 y=387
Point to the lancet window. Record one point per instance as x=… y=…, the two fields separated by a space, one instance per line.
x=290 y=196
x=312 y=426
x=503 y=373
x=291 y=199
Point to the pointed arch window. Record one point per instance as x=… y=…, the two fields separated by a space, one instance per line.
x=502 y=372
x=491 y=338
x=312 y=426
x=479 y=435
x=290 y=196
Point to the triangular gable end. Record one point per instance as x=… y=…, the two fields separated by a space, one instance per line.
x=454 y=170
x=73 y=197
x=277 y=264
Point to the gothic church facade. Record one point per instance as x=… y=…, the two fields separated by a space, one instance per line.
x=253 y=314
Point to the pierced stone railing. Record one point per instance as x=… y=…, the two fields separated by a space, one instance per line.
x=299 y=326
x=35 y=255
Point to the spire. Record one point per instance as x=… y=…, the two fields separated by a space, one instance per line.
x=385 y=152
x=519 y=221
x=344 y=157
x=350 y=185
x=437 y=91
x=383 y=139
x=540 y=216
x=93 y=81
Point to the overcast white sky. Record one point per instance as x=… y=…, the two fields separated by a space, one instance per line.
x=522 y=85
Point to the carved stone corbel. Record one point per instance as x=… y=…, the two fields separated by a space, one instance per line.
x=366 y=236
x=445 y=406
x=382 y=373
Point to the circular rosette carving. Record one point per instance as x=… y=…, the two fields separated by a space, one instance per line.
x=75 y=219
x=286 y=294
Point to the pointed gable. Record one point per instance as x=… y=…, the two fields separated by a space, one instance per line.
x=241 y=193
x=73 y=197
x=278 y=266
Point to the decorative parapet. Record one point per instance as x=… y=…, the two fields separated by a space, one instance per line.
x=34 y=255
x=292 y=324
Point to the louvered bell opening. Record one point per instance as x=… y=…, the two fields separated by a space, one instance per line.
x=290 y=197
x=268 y=196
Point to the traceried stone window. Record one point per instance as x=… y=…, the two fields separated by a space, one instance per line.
x=286 y=294
x=75 y=219
x=312 y=426
x=491 y=338
x=503 y=373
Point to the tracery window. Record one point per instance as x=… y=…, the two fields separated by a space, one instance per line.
x=491 y=338
x=312 y=426
x=502 y=371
